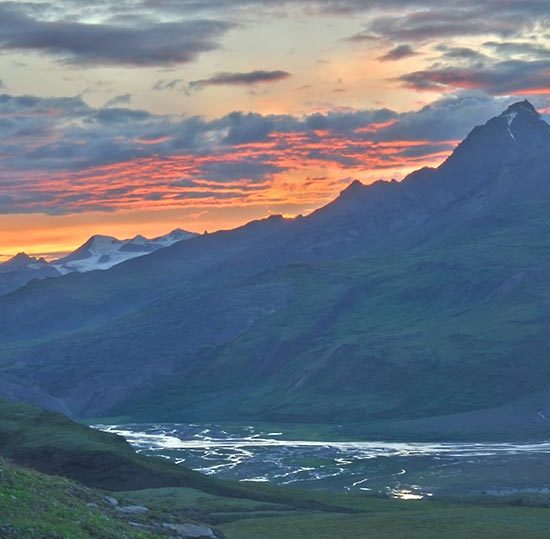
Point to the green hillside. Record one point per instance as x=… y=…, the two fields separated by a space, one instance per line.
x=397 y=302
x=455 y=325
x=433 y=330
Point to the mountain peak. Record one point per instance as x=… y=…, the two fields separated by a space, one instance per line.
x=22 y=256
x=521 y=109
x=353 y=187
x=525 y=107
x=20 y=260
x=101 y=237
x=180 y=232
x=519 y=128
x=524 y=124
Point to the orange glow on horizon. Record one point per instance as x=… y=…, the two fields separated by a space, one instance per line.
x=144 y=196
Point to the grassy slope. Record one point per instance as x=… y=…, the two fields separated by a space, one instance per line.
x=55 y=506
x=34 y=505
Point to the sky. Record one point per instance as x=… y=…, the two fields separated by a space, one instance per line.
x=127 y=117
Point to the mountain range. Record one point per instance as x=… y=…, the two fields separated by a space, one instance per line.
x=98 y=253
x=399 y=305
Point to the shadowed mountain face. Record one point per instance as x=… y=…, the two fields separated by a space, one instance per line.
x=408 y=299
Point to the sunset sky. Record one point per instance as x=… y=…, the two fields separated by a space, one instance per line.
x=140 y=116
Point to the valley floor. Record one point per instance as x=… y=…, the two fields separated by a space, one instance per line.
x=63 y=480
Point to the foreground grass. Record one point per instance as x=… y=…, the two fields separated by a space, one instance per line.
x=353 y=516
x=422 y=524
x=34 y=505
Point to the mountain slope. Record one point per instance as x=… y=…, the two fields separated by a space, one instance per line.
x=397 y=300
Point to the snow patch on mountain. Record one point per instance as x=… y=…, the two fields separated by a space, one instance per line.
x=104 y=252
x=98 y=253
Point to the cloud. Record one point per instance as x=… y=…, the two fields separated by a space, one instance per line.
x=422 y=26
x=427 y=21
x=341 y=7
x=515 y=48
x=501 y=78
x=123 y=99
x=398 y=53
x=173 y=32
x=143 y=44
x=59 y=155
x=172 y=84
x=461 y=53
x=365 y=36
x=249 y=78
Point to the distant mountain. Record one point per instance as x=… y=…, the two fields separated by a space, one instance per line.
x=21 y=269
x=98 y=253
x=398 y=301
x=104 y=252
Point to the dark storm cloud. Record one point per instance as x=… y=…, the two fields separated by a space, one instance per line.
x=501 y=78
x=398 y=53
x=146 y=44
x=249 y=78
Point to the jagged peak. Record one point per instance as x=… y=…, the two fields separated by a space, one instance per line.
x=519 y=107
